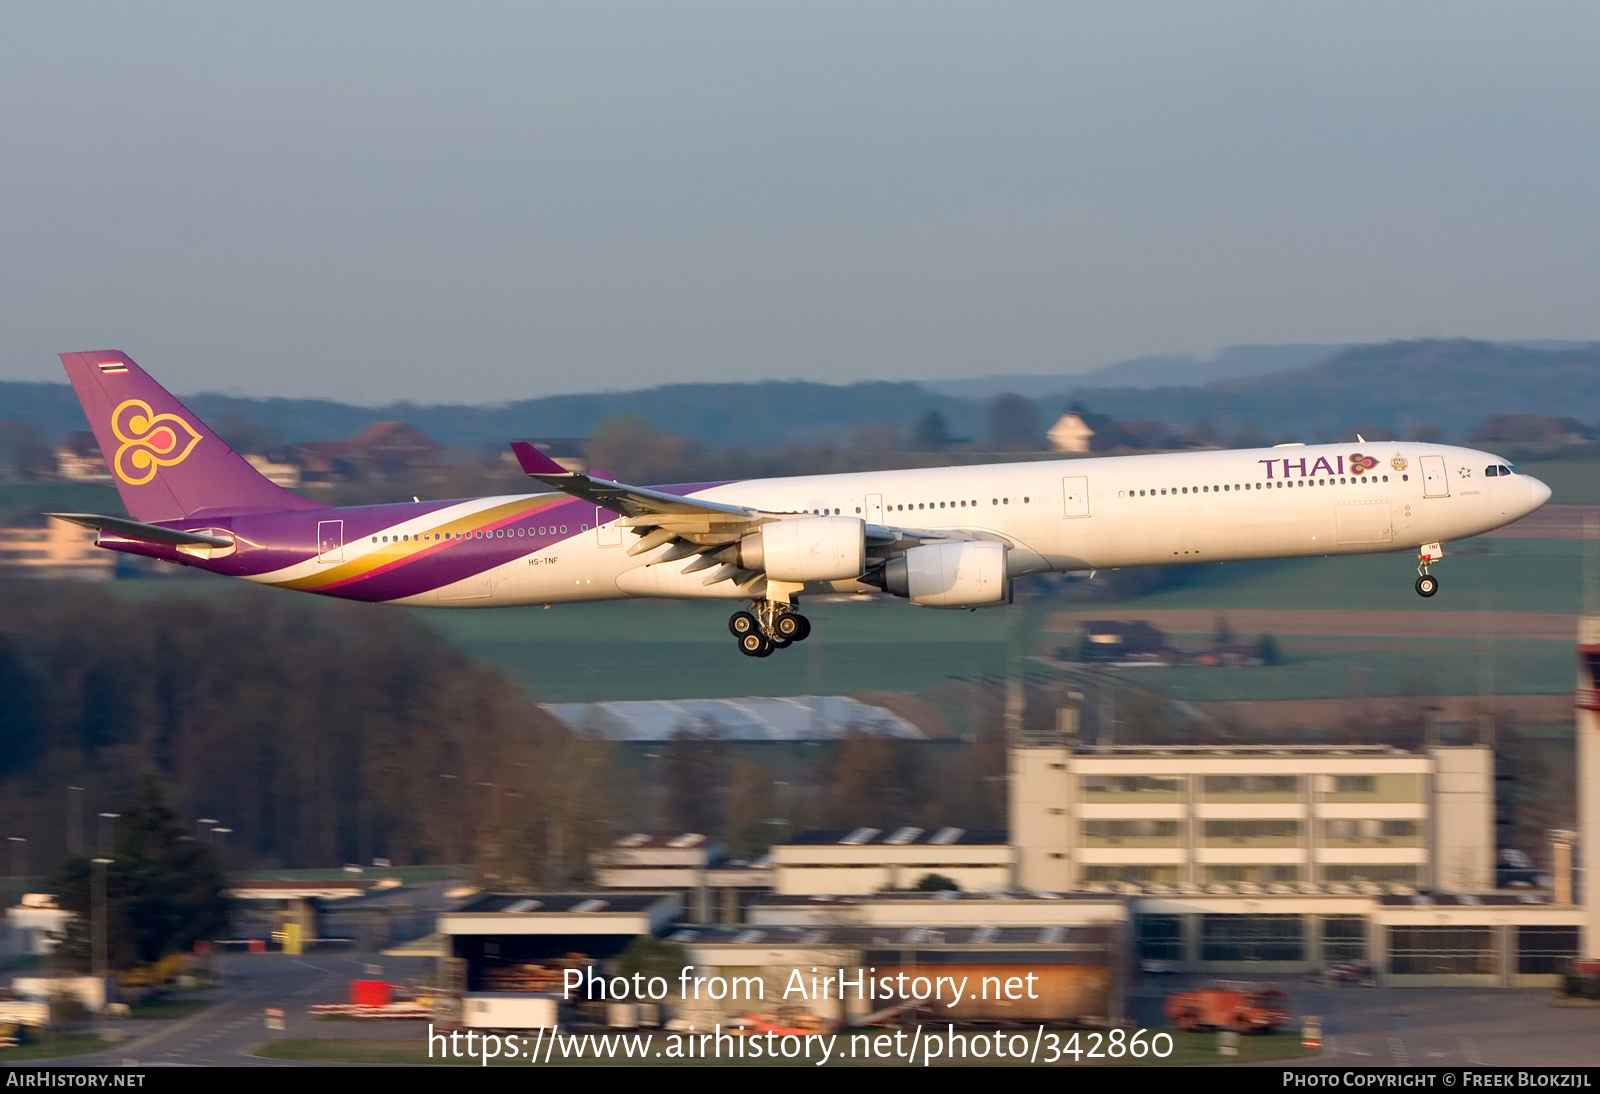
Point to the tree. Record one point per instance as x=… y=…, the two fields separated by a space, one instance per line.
x=695 y=768
x=931 y=433
x=1222 y=634
x=24 y=449
x=649 y=956
x=1013 y=423
x=164 y=890
x=937 y=883
x=749 y=808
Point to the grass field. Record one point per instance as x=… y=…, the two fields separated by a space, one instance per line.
x=51 y=1046
x=1571 y=482
x=666 y=650
x=66 y=497
x=1187 y=1049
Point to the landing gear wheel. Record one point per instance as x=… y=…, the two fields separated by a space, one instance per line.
x=741 y=624
x=1427 y=585
x=754 y=644
x=791 y=628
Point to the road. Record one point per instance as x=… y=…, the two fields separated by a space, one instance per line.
x=235 y=1022
x=1430 y=1027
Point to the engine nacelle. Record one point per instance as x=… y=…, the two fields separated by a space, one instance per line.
x=807 y=549
x=951 y=575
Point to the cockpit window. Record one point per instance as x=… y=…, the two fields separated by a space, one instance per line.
x=1509 y=470
x=1491 y=471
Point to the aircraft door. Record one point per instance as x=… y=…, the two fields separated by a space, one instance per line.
x=873 y=510
x=330 y=541
x=1075 y=491
x=607 y=534
x=1435 y=483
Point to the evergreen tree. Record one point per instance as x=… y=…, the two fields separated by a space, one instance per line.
x=164 y=890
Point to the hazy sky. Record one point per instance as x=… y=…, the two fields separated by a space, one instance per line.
x=481 y=202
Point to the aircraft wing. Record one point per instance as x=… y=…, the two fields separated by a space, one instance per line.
x=133 y=529
x=694 y=526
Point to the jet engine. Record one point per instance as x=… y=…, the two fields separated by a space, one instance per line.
x=950 y=575
x=807 y=549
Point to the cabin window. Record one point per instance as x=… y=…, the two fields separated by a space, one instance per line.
x=1005 y=501
x=1024 y=501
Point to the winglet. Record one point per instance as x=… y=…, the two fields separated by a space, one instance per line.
x=535 y=462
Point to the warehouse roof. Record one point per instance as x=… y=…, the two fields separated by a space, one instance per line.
x=798 y=718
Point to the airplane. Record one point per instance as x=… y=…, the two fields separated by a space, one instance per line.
x=944 y=537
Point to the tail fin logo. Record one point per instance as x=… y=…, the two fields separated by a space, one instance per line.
x=149 y=440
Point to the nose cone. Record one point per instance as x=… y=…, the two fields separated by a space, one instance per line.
x=1538 y=493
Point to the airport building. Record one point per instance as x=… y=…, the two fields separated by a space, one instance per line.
x=1252 y=818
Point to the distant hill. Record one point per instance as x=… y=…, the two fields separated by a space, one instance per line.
x=1161 y=370
x=757 y=415
x=1309 y=393
x=1397 y=386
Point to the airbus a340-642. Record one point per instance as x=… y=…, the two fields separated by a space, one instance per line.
x=946 y=537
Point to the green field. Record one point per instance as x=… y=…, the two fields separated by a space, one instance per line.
x=1507 y=575
x=61 y=497
x=53 y=1045
x=1571 y=482
x=682 y=650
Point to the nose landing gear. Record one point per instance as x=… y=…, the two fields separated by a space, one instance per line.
x=1427 y=554
x=766 y=627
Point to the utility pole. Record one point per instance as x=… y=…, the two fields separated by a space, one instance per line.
x=107 y=830
x=74 y=821
x=19 y=863
x=97 y=917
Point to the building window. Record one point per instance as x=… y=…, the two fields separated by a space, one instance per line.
x=1252 y=938
x=1546 y=950
x=1424 y=951
x=1131 y=784
x=1130 y=829
x=1139 y=875
x=1160 y=938
x=1354 y=784
x=1344 y=939
x=1405 y=875
x=1252 y=784
x=1252 y=829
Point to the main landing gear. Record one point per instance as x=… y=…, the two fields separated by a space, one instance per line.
x=1427 y=554
x=767 y=627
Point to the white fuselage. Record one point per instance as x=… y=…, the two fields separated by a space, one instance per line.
x=1086 y=514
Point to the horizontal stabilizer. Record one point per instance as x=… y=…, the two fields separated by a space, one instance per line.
x=133 y=529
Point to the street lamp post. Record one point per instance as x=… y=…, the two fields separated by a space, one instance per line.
x=74 y=821
x=107 y=827
x=97 y=922
x=19 y=863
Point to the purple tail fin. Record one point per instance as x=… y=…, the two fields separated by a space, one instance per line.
x=167 y=465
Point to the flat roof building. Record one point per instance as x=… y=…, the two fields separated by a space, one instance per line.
x=1252 y=818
